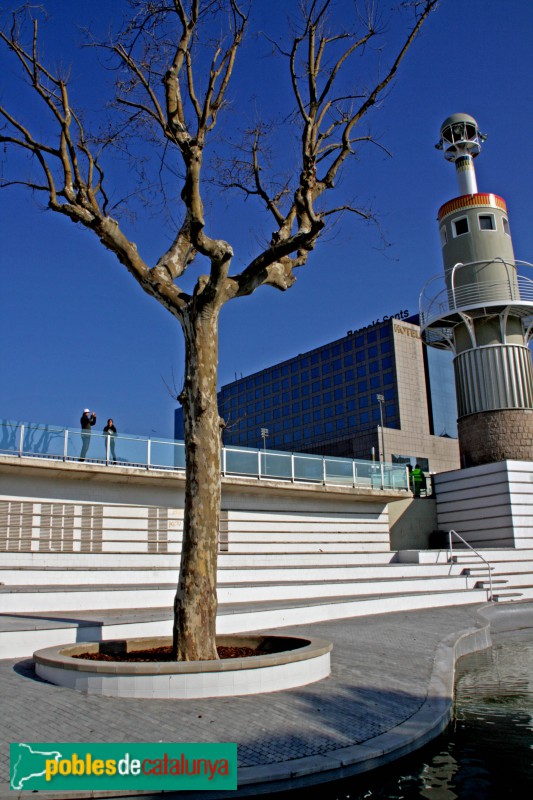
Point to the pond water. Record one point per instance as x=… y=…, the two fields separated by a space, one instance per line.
x=485 y=754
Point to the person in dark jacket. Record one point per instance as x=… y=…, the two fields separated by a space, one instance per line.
x=87 y=421
x=111 y=432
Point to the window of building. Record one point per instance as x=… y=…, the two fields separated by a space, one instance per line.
x=317 y=414
x=328 y=412
x=294 y=366
x=359 y=341
x=297 y=435
x=315 y=358
x=374 y=366
x=361 y=371
x=285 y=411
x=363 y=418
x=348 y=361
x=338 y=379
x=285 y=383
x=307 y=418
x=373 y=351
x=339 y=409
x=325 y=354
x=352 y=421
x=315 y=386
x=348 y=345
x=315 y=372
x=386 y=347
x=486 y=222
x=326 y=383
x=460 y=226
x=388 y=377
x=318 y=430
x=337 y=364
x=258 y=393
x=350 y=390
x=350 y=405
x=326 y=397
x=328 y=427
x=305 y=390
x=295 y=394
x=285 y=397
x=340 y=423
x=287 y=424
x=360 y=356
x=326 y=368
x=376 y=416
x=259 y=406
x=305 y=362
x=285 y=369
x=349 y=375
x=275 y=387
x=277 y=427
x=276 y=414
x=336 y=349
x=338 y=394
x=249 y=396
x=287 y=438
x=375 y=382
x=389 y=394
x=307 y=433
x=372 y=336
x=363 y=402
x=506 y=228
x=295 y=410
x=304 y=376
x=443 y=235
x=306 y=403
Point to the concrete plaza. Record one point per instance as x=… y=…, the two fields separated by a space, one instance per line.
x=389 y=692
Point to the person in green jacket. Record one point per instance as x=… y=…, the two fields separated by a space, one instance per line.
x=418 y=480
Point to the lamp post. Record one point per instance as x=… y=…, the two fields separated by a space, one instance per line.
x=381 y=399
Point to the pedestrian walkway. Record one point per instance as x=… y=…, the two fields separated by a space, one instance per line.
x=389 y=692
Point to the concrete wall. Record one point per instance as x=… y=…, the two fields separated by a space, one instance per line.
x=489 y=505
x=51 y=507
x=412 y=520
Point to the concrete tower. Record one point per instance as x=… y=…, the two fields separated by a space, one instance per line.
x=484 y=312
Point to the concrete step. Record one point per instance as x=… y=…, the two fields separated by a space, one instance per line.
x=53 y=576
x=21 y=635
x=34 y=599
x=128 y=559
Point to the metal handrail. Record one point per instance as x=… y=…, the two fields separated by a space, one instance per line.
x=490 y=597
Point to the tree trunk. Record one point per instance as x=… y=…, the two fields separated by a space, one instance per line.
x=195 y=604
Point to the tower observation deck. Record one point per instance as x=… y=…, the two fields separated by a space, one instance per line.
x=481 y=309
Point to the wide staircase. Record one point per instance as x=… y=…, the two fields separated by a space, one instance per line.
x=264 y=581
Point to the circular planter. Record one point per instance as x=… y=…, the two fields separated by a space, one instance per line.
x=289 y=661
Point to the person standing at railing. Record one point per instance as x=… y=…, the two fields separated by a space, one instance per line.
x=111 y=432
x=418 y=481
x=87 y=421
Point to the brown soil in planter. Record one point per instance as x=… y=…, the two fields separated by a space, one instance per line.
x=165 y=654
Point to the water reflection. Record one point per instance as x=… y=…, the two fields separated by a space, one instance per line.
x=486 y=753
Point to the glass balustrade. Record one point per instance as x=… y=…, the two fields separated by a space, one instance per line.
x=27 y=439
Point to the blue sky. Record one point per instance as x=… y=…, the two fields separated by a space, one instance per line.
x=76 y=331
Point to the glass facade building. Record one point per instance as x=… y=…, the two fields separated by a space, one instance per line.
x=325 y=401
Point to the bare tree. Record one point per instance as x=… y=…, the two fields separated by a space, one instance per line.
x=174 y=63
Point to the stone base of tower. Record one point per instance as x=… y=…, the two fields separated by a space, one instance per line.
x=491 y=436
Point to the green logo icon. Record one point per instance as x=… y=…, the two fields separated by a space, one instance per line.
x=104 y=766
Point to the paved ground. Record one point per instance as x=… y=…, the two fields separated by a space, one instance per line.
x=383 y=673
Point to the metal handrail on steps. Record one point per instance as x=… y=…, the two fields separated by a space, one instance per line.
x=454 y=533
